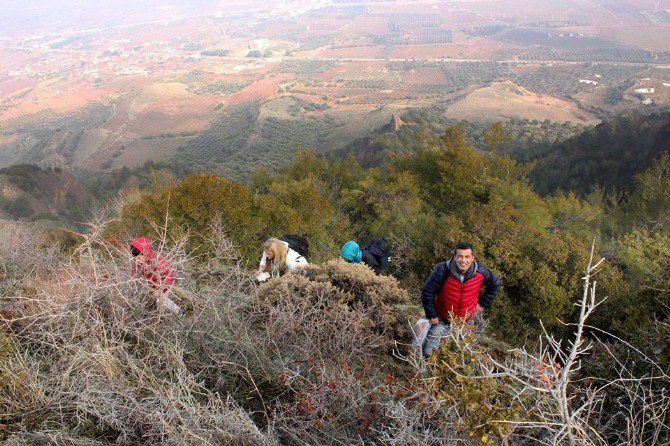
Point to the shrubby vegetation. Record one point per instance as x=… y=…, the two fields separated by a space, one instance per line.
x=484 y=30
x=596 y=55
x=564 y=81
x=523 y=139
x=227 y=133
x=220 y=86
x=608 y=155
x=415 y=36
x=303 y=66
x=237 y=142
x=216 y=53
x=320 y=356
x=374 y=80
x=424 y=201
x=460 y=74
x=107 y=186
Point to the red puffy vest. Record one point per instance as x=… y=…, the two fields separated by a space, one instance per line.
x=458 y=298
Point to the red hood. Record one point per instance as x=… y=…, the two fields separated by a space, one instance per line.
x=143 y=245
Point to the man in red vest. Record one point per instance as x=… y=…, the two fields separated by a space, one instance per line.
x=453 y=290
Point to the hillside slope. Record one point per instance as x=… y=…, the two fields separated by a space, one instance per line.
x=608 y=155
x=27 y=191
x=505 y=100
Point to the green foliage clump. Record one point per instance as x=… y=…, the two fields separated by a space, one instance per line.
x=225 y=136
x=302 y=66
x=193 y=207
x=487 y=407
x=602 y=156
x=220 y=86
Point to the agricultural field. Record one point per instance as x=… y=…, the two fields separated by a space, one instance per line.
x=658 y=16
x=304 y=66
x=142 y=151
x=28 y=121
x=375 y=80
x=213 y=88
x=425 y=79
x=564 y=80
x=625 y=55
x=658 y=40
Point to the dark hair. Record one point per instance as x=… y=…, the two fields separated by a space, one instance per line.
x=464 y=245
x=134 y=251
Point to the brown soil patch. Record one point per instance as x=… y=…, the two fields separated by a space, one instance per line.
x=482 y=48
x=504 y=100
x=347 y=67
x=41 y=98
x=261 y=89
x=139 y=152
x=425 y=76
x=175 y=115
x=366 y=25
x=462 y=19
x=157 y=93
x=11 y=86
x=658 y=40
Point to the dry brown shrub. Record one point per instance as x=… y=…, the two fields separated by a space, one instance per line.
x=339 y=287
x=22 y=256
x=304 y=359
x=91 y=358
x=331 y=330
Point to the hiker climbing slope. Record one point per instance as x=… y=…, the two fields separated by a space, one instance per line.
x=279 y=257
x=157 y=271
x=453 y=290
x=376 y=254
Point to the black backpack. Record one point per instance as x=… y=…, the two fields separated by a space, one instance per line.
x=379 y=248
x=297 y=243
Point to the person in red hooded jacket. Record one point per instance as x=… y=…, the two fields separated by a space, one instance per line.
x=157 y=270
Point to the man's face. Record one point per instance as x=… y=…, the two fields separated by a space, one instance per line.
x=464 y=259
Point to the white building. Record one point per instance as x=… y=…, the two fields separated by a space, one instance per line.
x=587 y=81
x=644 y=90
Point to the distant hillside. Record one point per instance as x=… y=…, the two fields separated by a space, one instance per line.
x=523 y=137
x=28 y=191
x=266 y=134
x=608 y=155
x=514 y=101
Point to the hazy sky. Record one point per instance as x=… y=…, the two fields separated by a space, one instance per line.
x=71 y=15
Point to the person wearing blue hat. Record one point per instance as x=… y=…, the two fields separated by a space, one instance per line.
x=352 y=253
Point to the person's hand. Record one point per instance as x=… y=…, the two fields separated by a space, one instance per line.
x=479 y=309
x=434 y=321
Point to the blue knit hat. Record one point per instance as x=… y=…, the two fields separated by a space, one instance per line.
x=351 y=252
